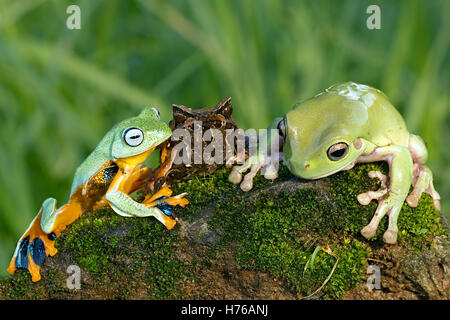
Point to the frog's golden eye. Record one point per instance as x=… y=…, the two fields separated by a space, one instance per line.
x=337 y=151
x=282 y=128
x=133 y=137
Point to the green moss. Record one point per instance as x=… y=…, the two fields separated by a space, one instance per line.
x=269 y=230
x=18 y=287
x=139 y=249
x=85 y=240
x=278 y=233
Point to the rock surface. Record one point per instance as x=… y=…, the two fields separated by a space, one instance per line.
x=289 y=239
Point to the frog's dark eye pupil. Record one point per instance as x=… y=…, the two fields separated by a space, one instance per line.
x=337 y=151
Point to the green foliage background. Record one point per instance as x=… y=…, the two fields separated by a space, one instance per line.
x=61 y=90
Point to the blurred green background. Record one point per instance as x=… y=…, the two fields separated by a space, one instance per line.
x=61 y=90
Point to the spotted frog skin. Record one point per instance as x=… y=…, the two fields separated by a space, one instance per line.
x=346 y=124
x=107 y=177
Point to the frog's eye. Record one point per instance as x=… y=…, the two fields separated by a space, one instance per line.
x=157 y=113
x=282 y=128
x=133 y=137
x=337 y=151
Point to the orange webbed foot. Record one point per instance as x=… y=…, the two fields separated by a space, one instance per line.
x=164 y=202
x=32 y=250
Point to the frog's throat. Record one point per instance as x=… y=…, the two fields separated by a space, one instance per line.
x=327 y=174
x=127 y=164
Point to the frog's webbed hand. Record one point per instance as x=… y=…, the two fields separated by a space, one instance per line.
x=422 y=180
x=164 y=202
x=38 y=241
x=254 y=163
x=393 y=191
x=267 y=160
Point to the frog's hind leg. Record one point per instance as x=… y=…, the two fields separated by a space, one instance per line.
x=422 y=180
x=38 y=241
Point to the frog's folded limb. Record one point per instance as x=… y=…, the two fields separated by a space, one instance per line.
x=124 y=205
x=423 y=183
x=159 y=205
x=422 y=177
x=137 y=178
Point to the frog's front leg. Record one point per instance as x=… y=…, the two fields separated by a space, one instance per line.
x=123 y=204
x=392 y=194
x=137 y=178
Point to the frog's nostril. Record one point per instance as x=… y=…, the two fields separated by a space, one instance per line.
x=306 y=165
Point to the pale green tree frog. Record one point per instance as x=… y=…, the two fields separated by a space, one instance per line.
x=107 y=177
x=346 y=124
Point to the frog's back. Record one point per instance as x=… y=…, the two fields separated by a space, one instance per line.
x=385 y=125
x=93 y=163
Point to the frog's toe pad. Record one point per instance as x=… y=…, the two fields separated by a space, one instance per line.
x=368 y=231
x=390 y=236
x=412 y=200
x=366 y=197
x=235 y=176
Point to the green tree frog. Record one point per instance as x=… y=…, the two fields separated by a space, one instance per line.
x=346 y=124
x=107 y=177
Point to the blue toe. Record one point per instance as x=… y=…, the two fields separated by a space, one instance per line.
x=165 y=208
x=37 y=250
x=22 y=254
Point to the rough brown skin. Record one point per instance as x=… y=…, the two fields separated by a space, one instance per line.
x=218 y=118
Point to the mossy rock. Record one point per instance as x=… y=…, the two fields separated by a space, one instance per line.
x=287 y=239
